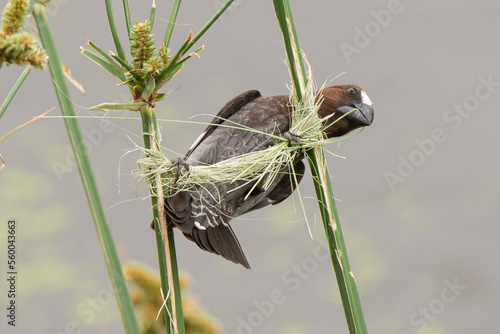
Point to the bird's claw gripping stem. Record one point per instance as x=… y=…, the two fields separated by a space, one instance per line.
x=292 y=138
x=178 y=164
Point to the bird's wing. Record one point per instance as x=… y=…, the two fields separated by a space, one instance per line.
x=207 y=224
x=229 y=109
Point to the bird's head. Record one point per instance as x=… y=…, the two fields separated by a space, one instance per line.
x=348 y=100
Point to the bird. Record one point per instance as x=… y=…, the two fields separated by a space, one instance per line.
x=203 y=215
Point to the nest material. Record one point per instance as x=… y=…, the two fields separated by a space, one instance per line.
x=259 y=167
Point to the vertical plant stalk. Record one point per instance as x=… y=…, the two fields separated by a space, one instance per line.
x=89 y=184
x=317 y=163
x=174 y=318
x=144 y=86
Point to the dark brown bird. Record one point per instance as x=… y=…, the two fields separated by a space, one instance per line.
x=203 y=215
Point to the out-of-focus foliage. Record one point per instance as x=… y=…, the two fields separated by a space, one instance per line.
x=147 y=299
x=17 y=46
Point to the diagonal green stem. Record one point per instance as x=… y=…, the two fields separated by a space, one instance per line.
x=338 y=251
x=14 y=89
x=189 y=43
x=287 y=26
x=171 y=22
x=317 y=163
x=126 y=12
x=208 y=25
x=114 y=30
x=89 y=184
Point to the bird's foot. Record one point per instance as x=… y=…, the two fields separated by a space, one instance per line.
x=292 y=138
x=179 y=164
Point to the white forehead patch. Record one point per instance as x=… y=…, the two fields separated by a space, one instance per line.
x=365 y=99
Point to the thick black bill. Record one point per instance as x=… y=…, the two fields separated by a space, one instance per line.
x=359 y=113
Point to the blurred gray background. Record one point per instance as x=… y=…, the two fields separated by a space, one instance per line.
x=417 y=193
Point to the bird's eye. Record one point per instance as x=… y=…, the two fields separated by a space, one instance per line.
x=352 y=91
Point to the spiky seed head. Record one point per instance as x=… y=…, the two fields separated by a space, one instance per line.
x=13 y=16
x=142 y=44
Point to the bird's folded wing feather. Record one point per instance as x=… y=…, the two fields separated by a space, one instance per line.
x=229 y=109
